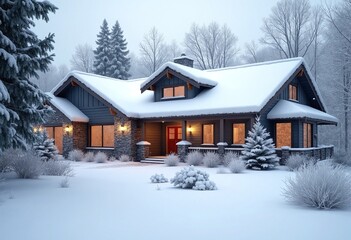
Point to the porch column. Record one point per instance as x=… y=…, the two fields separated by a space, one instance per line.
x=182 y=148
x=143 y=150
x=184 y=130
x=221 y=130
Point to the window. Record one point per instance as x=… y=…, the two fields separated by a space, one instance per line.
x=170 y=92
x=283 y=134
x=57 y=134
x=239 y=133
x=102 y=136
x=307 y=135
x=207 y=134
x=292 y=92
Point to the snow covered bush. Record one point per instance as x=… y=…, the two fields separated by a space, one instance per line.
x=5 y=160
x=189 y=177
x=100 y=157
x=124 y=158
x=158 y=178
x=194 y=158
x=228 y=157
x=172 y=160
x=236 y=166
x=76 y=155
x=26 y=164
x=64 y=183
x=320 y=185
x=44 y=146
x=259 y=151
x=296 y=161
x=57 y=168
x=211 y=159
x=89 y=157
x=112 y=159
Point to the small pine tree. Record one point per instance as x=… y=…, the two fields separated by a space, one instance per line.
x=102 y=52
x=259 y=152
x=120 y=63
x=22 y=55
x=45 y=146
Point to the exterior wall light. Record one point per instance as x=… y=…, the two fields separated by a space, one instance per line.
x=189 y=129
x=67 y=129
x=122 y=128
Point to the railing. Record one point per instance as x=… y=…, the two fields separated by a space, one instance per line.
x=203 y=149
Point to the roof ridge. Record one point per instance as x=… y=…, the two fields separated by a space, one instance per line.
x=255 y=64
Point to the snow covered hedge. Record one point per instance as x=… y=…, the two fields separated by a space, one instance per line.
x=158 y=178
x=76 y=155
x=194 y=158
x=320 y=185
x=26 y=164
x=172 y=160
x=189 y=177
x=211 y=159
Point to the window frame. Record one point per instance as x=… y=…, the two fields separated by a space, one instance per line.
x=307 y=135
x=102 y=135
x=233 y=140
x=173 y=92
x=293 y=92
x=203 y=133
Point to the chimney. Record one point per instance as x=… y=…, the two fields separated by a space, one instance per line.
x=184 y=60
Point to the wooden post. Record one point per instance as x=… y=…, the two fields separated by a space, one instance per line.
x=221 y=130
x=184 y=130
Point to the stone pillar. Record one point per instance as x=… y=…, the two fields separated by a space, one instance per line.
x=127 y=134
x=221 y=148
x=79 y=135
x=316 y=153
x=182 y=148
x=142 y=151
x=285 y=154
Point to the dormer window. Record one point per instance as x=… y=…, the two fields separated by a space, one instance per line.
x=292 y=92
x=174 y=92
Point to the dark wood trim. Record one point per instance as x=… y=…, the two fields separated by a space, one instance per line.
x=221 y=130
x=184 y=128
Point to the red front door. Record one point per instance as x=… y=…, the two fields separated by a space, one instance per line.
x=174 y=135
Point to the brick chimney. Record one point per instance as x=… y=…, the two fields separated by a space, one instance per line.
x=184 y=60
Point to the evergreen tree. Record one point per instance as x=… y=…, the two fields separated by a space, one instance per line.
x=103 y=51
x=45 y=146
x=259 y=151
x=22 y=53
x=120 y=63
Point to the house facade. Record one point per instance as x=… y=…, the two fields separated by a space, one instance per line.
x=180 y=108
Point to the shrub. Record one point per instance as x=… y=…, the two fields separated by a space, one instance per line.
x=172 y=160
x=321 y=185
x=236 y=166
x=112 y=159
x=194 y=158
x=76 y=155
x=342 y=158
x=57 y=168
x=64 y=183
x=26 y=164
x=5 y=160
x=295 y=161
x=89 y=157
x=124 y=158
x=100 y=157
x=228 y=157
x=211 y=159
x=158 y=178
x=191 y=178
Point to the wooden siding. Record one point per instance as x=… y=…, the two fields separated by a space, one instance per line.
x=97 y=112
x=153 y=134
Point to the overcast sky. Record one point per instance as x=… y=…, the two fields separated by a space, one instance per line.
x=78 y=21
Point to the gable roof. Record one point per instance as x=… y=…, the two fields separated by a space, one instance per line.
x=287 y=109
x=195 y=76
x=240 y=89
x=68 y=109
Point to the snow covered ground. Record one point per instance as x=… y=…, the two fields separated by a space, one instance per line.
x=117 y=201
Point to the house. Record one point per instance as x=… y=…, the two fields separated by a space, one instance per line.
x=179 y=108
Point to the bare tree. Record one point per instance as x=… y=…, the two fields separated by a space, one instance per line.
x=83 y=58
x=337 y=66
x=292 y=27
x=47 y=80
x=153 y=51
x=211 y=46
x=174 y=50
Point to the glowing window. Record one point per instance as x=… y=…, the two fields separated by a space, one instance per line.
x=208 y=132
x=307 y=135
x=292 y=92
x=170 y=92
x=167 y=92
x=179 y=91
x=102 y=136
x=283 y=135
x=238 y=133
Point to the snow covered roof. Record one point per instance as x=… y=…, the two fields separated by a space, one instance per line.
x=68 y=109
x=240 y=89
x=199 y=76
x=287 y=109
